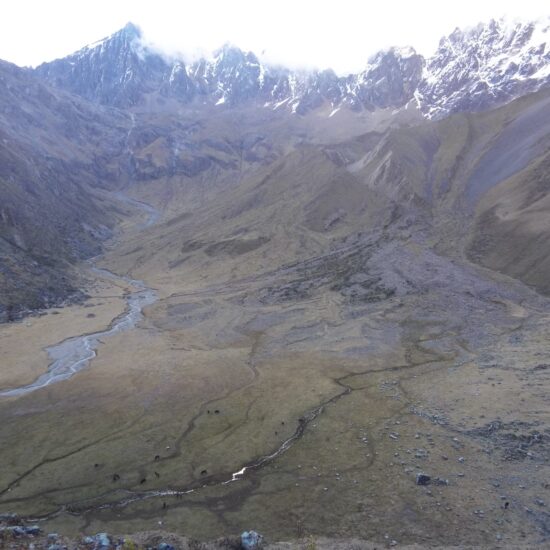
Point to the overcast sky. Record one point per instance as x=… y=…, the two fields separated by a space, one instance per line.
x=341 y=34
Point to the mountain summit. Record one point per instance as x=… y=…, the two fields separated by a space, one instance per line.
x=118 y=70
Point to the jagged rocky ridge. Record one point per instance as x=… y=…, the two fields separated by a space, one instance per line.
x=472 y=69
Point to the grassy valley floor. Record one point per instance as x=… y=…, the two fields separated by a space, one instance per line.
x=335 y=397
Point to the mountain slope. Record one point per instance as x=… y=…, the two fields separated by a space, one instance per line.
x=439 y=181
x=512 y=232
x=55 y=157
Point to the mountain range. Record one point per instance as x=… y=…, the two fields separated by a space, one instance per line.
x=471 y=70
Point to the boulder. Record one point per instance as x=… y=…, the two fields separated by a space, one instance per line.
x=250 y=540
x=102 y=541
x=423 y=479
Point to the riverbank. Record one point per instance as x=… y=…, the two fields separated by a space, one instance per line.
x=23 y=344
x=76 y=346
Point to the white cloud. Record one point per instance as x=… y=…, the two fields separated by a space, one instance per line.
x=341 y=33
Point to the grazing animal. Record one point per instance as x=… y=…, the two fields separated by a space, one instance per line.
x=143 y=481
x=204 y=472
x=157 y=457
x=116 y=477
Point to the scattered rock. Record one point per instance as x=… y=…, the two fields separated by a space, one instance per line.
x=26 y=530
x=10 y=519
x=165 y=546
x=440 y=481
x=21 y=530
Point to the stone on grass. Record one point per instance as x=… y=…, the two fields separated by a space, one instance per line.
x=423 y=479
x=102 y=541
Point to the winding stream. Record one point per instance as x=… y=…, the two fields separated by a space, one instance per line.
x=72 y=355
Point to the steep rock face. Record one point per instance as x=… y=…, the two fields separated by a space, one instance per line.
x=484 y=66
x=389 y=80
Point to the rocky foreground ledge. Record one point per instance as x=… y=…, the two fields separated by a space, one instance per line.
x=16 y=535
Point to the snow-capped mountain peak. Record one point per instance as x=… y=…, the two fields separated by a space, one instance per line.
x=484 y=65
x=472 y=69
